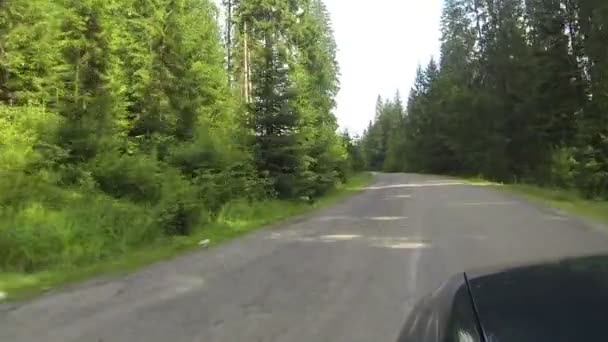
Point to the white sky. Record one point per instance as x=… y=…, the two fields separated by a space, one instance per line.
x=380 y=43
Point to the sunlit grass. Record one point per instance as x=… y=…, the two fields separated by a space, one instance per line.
x=479 y=181
x=567 y=200
x=235 y=219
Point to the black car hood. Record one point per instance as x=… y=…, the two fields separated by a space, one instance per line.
x=560 y=301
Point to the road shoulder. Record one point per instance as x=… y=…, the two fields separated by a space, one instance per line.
x=20 y=286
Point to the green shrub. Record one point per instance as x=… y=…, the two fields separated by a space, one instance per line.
x=18 y=189
x=219 y=169
x=193 y=157
x=592 y=173
x=563 y=168
x=26 y=151
x=242 y=212
x=138 y=177
x=24 y=133
x=28 y=239
x=80 y=140
x=89 y=229
x=180 y=209
x=177 y=204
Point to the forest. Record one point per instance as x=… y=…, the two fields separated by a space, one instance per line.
x=519 y=94
x=123 y=122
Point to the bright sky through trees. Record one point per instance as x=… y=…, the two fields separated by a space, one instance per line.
x=379 y=45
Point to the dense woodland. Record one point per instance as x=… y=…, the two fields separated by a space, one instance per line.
x=520 y=94
x=123 y=122
x=126 y=121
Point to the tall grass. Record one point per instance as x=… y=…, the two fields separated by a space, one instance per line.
x=568 y=200
x=94 y=228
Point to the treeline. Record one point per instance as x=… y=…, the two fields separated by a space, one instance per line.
x=519 y=94
x=121 y=123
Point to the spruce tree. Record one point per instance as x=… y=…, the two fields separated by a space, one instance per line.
x=29 y=57
x=91 y=103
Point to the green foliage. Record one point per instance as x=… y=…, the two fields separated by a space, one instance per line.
x=43 y=224
x=355 y=161
x=137 y=178
x=563 y=168
x=29 y=58
x=242 y=213
x=26 y=134
x=566 y=200
x=235 y=219
x=592 y=173
x=179 y=210
x=86 y=230
x=26 y=152
x=92 y=102
x=285 y=58
x=119 y=128
x=519 y=95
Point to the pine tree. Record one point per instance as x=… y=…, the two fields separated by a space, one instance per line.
x=356 y=159
x=373 y=143
x=286 y=70
x=91 y=104
x=593 y=130
x=519 y=94
x=270 y=94
x=395 y=141
x=316 y=83
x=29 y=58
x=556 y=95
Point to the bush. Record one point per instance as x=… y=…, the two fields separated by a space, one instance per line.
x=18 y=189
x=28 y=239
x=138 y=178
x=180 y=209
x=218 y=169
x=24 y=134
x=563 y=168
x=26 y=140
x=52 y=213
x=592 y=173
x=89 y=229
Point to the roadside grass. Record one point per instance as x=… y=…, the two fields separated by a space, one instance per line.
x=569 y=201
x=478 y=181
x=234 y=220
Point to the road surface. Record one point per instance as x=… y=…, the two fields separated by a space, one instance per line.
x=347 y=273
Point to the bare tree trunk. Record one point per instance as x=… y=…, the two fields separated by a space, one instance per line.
x=478 y=24
x=229 y=39
x=246 y=86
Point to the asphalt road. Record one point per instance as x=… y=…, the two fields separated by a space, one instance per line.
x=347 y=273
